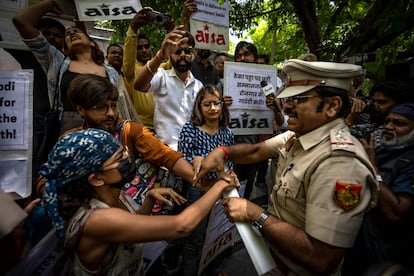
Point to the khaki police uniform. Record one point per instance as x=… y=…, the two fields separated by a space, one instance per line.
x=324 y=180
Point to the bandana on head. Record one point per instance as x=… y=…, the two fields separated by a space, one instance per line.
x=405 y=109
x=76 y=155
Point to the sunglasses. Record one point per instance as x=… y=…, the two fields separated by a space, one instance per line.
x=187 y=51
x=297 y=99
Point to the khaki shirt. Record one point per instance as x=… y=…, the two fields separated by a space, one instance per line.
x=318 y=206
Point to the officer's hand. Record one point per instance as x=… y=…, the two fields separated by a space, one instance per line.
x=241 y=209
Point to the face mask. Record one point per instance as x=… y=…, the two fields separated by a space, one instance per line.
x=127 y=169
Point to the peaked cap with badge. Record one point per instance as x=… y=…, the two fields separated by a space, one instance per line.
x=306 y=75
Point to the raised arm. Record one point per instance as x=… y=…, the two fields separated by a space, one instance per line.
x=172 y=41
x=131 y=40
x=27 y=19
x=240 y=153
x=189 y=7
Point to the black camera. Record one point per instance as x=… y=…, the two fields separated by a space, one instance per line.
x=158 y=17
x=362 y=131
x=369 y=105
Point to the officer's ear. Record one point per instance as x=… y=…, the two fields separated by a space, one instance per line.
x=334 y=106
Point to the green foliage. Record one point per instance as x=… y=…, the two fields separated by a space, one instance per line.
x=154 y=32
x=345 y=28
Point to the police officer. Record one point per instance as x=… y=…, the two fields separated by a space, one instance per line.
x=324 y=180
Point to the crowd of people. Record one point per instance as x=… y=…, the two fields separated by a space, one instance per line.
x=337 y=172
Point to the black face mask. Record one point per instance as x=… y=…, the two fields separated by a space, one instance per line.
x=127 y=170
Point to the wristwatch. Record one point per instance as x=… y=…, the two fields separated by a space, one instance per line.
x=258 y=224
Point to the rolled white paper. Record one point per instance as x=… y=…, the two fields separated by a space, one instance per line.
x=258 y=251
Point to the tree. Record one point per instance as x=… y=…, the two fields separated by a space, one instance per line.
x=330 y=29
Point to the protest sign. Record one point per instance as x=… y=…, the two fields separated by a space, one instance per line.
x=16 y=131
x=210 y=25
x=92 y=10
x=248 y=112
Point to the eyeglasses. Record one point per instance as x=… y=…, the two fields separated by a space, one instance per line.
x=215 y=103
x=187 y=51
x=297 y=99
x=104 y=108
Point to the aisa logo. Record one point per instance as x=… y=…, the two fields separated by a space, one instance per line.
x=243 y=121
x=204 y=36
x=106 y=10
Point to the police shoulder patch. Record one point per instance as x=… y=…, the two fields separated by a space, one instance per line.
x=347 y=195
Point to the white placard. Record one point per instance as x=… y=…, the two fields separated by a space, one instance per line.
x=14 y=110
x=16 y=126
x=248 y=112
x=244 y=122
x=210 y=36
x=211 y=11
x=92 y=10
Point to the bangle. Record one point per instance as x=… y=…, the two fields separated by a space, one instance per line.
x=226 y=152
x=149 y=68
x=158 y=55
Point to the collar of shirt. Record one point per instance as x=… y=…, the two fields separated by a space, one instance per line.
x=319 y=134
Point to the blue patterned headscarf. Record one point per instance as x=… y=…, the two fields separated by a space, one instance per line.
x=76 y=155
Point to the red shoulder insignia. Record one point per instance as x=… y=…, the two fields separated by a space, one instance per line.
x=347 y=195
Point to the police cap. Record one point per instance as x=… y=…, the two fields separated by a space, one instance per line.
x=306 y=75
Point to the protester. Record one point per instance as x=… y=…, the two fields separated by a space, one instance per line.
x=138 y=52
x=175 y=89
x=207 y=130
x=386 y=232
x=382 y=97
x=203 y=69
x=316 y=205
x=83 y=56
x=84 y=176
x=114 y=56
x=95 y=98
x=262 y=59
x=219 y=60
